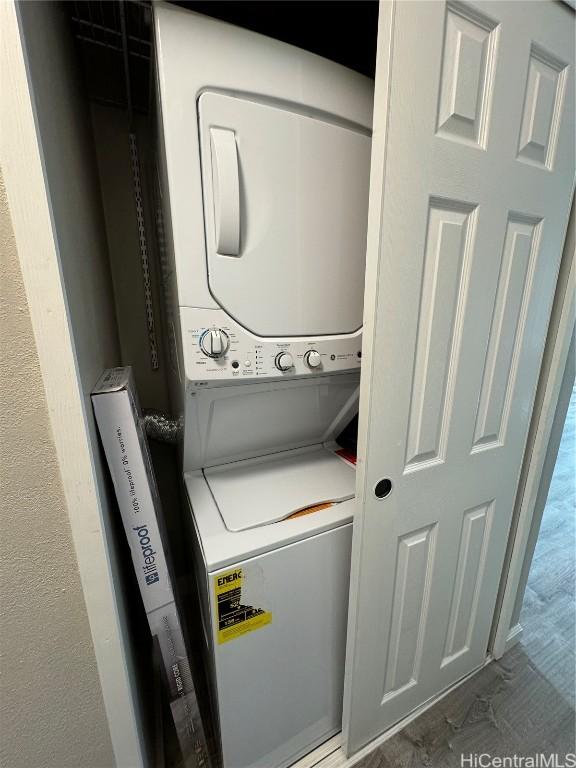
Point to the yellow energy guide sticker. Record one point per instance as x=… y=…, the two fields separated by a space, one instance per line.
x=235 y=619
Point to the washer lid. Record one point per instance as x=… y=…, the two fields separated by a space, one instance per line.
x=286 y=212
x=261 y=491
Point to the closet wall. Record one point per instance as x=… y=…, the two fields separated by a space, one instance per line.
x=49 y=662
x=60 y=158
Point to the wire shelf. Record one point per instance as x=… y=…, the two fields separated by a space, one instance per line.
x=115 y=38
x=99 y=22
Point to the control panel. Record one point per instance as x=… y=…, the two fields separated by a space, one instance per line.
x=218 y=350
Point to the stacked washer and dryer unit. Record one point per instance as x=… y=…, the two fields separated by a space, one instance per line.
x=265 y=163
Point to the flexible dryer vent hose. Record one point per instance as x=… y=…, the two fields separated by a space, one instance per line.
x=161 y=427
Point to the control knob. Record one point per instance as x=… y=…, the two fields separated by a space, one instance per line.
x=312 y=359
x=284 y=361
x=214 y=342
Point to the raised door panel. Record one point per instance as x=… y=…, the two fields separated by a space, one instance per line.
x=542 y=108
x=449 y=236
x=470 y=40
x=519 y=254
x=414 y=564
x=472 y=551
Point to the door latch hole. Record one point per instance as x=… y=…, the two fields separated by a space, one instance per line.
x=383 y=488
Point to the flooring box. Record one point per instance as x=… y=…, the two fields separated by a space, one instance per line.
x=119 y=422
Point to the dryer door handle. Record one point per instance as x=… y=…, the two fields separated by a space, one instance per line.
x=226 y=191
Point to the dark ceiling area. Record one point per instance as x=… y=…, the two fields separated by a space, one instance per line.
x=115 y=37
x=344 y=31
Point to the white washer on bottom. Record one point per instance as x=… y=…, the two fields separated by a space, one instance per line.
x=274 y=601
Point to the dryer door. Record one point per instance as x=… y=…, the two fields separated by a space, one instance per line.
x=286 y=202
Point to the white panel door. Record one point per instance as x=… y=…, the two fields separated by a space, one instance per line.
x=472 y=175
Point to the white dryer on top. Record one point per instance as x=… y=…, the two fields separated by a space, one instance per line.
x=266 y=158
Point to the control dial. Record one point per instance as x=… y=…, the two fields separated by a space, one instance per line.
x=312 y=359
x=214 y=342
x=284 y=361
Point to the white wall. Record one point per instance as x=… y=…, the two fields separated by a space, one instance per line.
x=51 y=707
x=52 y=188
